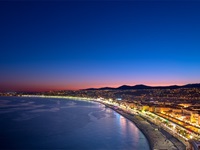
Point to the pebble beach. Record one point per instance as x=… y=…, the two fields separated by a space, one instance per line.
x=158 y=138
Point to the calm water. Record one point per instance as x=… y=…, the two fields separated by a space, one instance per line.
x=47 y=123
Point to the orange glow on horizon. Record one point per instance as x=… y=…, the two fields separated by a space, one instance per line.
x=51 y=87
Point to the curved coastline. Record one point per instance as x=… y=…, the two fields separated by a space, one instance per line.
x=157 y=138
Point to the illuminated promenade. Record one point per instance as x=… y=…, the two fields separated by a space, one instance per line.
x=186 y=132
x=152 y=132
x=155 y=125
x=156 y=137
x=186 y=126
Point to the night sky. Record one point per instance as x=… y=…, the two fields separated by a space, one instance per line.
x=75 y=45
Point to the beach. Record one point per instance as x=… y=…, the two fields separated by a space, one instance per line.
x=47 y=123
x=158 y=138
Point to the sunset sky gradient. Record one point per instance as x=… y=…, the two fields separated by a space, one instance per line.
x=75 y=45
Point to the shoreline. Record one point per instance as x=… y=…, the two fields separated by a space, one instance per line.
x=157 y=138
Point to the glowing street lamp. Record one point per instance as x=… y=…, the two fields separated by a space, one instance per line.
x=174 y=126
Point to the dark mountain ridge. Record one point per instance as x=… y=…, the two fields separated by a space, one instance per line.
x=141 y=86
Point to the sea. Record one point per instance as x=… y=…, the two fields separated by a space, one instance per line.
x=55 y=123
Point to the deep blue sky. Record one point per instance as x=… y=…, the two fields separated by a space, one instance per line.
x=74 y=45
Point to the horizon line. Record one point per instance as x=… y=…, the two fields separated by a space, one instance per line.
x=99 y=87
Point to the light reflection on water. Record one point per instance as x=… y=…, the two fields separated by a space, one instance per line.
x=58 y=123
x=125 y=125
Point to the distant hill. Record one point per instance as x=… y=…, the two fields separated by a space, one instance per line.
x=197 y=85
x=141 y=86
